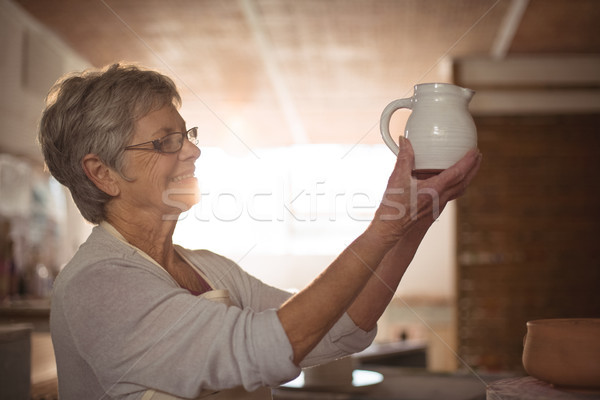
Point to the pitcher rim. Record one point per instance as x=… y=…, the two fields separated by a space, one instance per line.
x=440 y=85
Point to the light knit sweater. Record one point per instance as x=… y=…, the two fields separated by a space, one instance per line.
x=121 y=325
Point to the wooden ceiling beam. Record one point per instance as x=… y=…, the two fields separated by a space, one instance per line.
x=529 y=71
x=527 y=85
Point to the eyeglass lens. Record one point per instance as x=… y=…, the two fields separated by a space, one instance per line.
x=174 y=142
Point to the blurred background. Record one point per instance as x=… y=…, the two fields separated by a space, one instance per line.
x=287 y=97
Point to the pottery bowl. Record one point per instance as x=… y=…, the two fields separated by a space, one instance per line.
x=564 y=352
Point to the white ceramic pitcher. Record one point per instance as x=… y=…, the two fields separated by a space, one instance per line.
x=440 y=127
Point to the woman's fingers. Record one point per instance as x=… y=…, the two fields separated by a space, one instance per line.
x=469 y=177
x=408 y=202
x=453 y=181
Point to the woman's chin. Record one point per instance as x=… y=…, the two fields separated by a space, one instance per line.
x=182 y=200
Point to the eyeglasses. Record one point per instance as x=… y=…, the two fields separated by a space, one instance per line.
x=171 y=143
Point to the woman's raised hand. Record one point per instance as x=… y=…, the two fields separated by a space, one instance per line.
x=409 y=203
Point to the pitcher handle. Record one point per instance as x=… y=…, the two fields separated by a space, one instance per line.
x=386 y=116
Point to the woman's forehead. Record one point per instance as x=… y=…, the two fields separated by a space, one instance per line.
x=160 y=122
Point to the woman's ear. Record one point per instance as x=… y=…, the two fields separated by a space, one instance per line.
x=102 y=176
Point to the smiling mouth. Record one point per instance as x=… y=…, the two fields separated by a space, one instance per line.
x=182 y=177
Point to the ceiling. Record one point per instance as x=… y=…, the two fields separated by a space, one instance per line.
x=257 y=73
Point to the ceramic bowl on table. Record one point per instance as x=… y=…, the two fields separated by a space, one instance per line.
x=564 y=352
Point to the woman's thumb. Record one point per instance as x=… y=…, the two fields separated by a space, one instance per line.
x=406 y=156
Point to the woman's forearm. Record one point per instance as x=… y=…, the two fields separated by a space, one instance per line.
x=351 y=283
x=307 y=316
x=372 y=301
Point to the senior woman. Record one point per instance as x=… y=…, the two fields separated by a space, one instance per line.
x=135 y=316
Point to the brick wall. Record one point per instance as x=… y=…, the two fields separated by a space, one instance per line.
x=528 y=233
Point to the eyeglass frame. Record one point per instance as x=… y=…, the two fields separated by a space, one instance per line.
x=191 y=135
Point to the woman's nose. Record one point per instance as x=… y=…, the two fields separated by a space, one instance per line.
x=189 y=149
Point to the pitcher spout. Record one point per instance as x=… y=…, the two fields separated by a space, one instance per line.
x=468 y=94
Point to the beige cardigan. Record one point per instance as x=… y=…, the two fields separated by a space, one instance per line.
x=121 y=327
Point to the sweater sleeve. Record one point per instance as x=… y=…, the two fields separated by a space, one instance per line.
x=137 y=331
x=344 y=338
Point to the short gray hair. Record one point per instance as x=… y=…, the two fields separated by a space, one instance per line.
x=95 y=112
